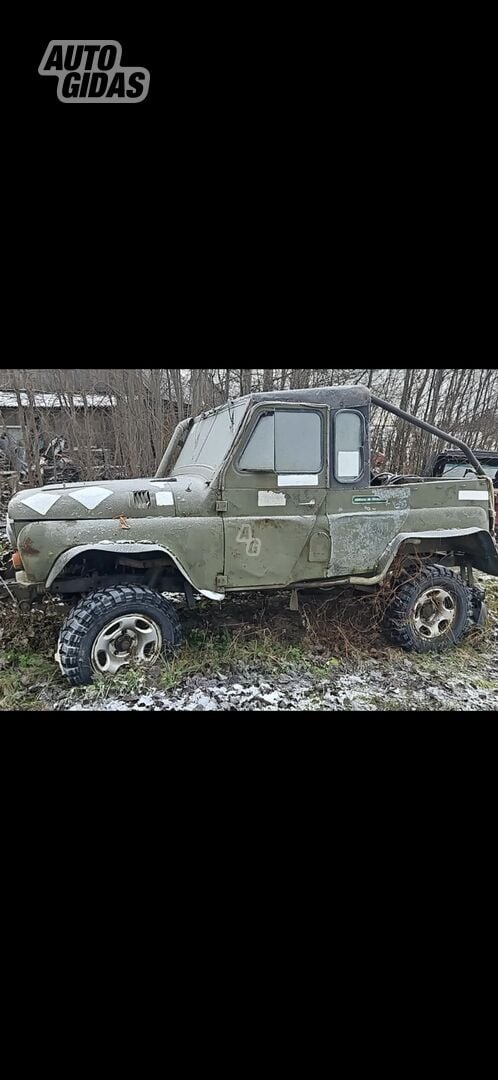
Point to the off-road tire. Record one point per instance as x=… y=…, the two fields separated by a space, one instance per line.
x=92 y=614
x=398 y=621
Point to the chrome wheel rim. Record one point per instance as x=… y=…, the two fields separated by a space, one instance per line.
x=123 y=640
x=434 y=614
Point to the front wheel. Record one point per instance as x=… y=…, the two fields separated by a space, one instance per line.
x=430 y=612
x=114 y=627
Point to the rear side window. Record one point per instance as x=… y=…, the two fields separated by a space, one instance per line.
x=285 y=442
x=349 y=439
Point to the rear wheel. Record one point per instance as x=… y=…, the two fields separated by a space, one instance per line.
x=112 y=628
x=430 y=612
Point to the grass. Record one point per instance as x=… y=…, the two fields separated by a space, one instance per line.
x=21 y=674
x=206 y=654
x=129 y=680
x=483 y=684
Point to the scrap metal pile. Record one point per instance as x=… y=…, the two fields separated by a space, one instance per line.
x=57 y=466
x=13 y=474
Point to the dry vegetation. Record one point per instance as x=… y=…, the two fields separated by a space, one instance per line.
x=147 y=403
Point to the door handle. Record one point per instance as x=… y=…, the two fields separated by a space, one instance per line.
x=310 y=503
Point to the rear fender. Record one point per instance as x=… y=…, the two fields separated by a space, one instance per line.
x=476 y=544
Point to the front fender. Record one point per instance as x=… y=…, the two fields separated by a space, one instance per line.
x=123 y=549
x=194 y=544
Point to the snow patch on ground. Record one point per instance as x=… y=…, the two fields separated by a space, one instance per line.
x=378 y=686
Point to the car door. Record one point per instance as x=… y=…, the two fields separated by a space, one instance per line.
x=363 y=520
x=274 y=493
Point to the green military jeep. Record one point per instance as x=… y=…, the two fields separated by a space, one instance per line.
x=271 y=491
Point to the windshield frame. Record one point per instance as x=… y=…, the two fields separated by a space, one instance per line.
x=212 y=422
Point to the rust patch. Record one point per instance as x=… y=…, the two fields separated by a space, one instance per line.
x=123 y=522
x=27 y=547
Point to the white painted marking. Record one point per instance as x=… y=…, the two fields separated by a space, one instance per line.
x=480 y=496
x=272 y=498
x=42 y=502
x=298 y=480
x=164 y=498
x=90 y=497
x=246 y=536
x=348 y=463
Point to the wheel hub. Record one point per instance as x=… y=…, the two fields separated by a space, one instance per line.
x=434 y=613
x=130 y=637
x=124 y=644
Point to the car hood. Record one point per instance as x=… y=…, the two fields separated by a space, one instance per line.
x=109 y=499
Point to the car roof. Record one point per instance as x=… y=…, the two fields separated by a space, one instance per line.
x=337 y=397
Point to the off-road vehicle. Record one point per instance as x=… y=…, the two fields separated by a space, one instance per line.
x=269 y=492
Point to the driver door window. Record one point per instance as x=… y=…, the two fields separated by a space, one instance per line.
x=288 y=443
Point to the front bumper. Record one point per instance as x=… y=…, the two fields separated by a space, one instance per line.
x=18 y=589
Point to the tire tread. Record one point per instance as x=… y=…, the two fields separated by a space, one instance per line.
x=396 y=625
x=101 y=603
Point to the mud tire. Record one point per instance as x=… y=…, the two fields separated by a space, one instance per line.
x=91 y=615
x=400 y=618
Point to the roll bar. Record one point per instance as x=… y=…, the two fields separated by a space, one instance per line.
x=433 y=430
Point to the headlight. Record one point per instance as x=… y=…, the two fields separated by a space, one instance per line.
x=11 y=536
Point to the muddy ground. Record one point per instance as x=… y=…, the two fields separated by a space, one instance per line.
x=254 y=654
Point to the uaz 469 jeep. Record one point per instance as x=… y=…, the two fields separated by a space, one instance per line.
x=271 y=491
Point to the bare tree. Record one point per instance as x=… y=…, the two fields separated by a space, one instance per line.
x=121 y=419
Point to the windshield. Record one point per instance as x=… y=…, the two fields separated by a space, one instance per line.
x=210 y=438
x=464 y=468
